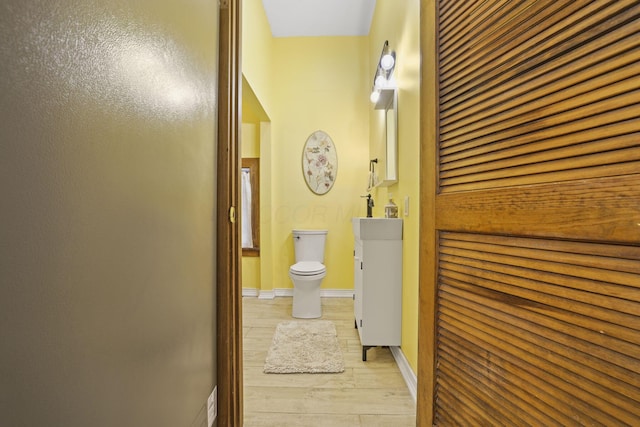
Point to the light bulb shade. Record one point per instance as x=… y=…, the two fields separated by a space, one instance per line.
x=375 y=96
x=387 y=61
x=380 y=82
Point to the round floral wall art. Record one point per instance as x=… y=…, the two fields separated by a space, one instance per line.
x=319 y=162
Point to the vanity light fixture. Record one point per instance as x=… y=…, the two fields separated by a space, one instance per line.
x=388 y=61
x=383 y=83
x=375 y=96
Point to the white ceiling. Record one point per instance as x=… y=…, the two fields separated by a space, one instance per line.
x=299 y=18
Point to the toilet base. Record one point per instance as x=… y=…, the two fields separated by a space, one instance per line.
x=306 y=301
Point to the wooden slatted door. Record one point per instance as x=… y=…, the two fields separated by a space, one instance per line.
x=537 y=213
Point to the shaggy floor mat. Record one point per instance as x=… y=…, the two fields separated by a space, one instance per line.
x=304 y=347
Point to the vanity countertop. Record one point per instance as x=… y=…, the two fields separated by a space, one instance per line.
x=377 y=228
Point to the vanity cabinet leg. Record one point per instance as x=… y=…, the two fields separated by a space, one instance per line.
x=364 y=352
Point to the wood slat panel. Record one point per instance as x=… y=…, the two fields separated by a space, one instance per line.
x=610 y=364
x=600 y=171
x=487 y=346
x=469 y=400
x=558 y=410
x=477 y=140
x=554 y=374
x=487 y=19
x=531 y=53
x=500 y=390
x=487 y=158
x=595 y=97
x=452 y=18
x=573 y=117
x=603 y=282
x=618 y=406
x=528 y=317
x=459 y=411
x=612 y=317
x=598 y=257
x=579 y=165
x=504 y=402
x=534 y=349
x=490 y=34
x=503 y=100
x=601 y=127
x=559 y=246
x=579 y=265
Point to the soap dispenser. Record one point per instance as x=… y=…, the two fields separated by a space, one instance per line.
x=390 y=209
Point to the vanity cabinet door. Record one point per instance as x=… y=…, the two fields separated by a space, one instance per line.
x=381 y=293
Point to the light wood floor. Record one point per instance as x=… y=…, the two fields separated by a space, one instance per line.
x=371 y=393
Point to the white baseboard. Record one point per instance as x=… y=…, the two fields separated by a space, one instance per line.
x=288 y=292
x=336 y=293
x=253 y=292
x=283 y=292
x=249 y=292
x=266 y=295
x=407 y=373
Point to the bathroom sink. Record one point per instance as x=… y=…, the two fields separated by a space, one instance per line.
x=377 y=228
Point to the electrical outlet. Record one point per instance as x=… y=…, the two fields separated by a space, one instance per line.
x=212 y=406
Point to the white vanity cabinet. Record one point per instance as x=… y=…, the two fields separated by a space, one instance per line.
x=377 y=264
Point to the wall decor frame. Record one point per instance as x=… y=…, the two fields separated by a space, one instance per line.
x=319 y=162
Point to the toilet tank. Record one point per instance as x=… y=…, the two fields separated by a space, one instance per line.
x=309 y=245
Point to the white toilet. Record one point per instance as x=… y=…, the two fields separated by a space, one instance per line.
x=307 y=273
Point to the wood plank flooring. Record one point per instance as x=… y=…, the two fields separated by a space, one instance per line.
x=371 y=393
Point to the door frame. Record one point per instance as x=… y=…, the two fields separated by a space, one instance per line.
x=228 y=292
x=427 y=271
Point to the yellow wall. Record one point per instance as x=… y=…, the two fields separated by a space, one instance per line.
x=257 y=46
x=399 y=23
x=250 y=146
x=306 y=84
x=266 y=253
x=319 y=87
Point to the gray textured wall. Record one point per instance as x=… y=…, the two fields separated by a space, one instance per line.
x=107 y=311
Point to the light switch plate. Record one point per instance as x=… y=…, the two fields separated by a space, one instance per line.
x=212 y=406
x=406 y=206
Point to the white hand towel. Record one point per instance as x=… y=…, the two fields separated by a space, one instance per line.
x=370 y=183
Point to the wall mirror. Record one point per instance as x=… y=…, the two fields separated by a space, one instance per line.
x=389 y=103
x=391 y=125
x=384 y=95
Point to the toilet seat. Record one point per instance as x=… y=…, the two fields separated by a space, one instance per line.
x=307 y=268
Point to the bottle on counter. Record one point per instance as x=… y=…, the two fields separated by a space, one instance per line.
x=391 y=209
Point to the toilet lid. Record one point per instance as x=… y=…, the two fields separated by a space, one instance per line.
x=307 y=268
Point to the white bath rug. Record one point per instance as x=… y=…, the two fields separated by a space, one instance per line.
x=309 y=346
